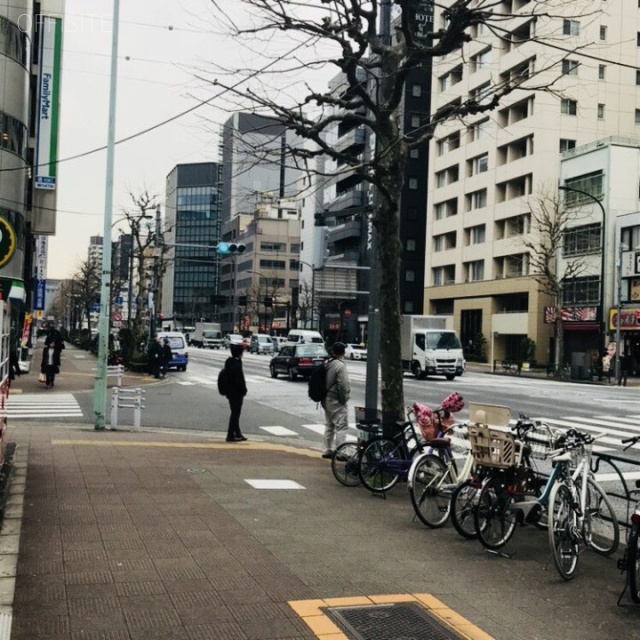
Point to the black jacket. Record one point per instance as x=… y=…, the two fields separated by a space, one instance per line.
x=45 y=359
x=237 y=387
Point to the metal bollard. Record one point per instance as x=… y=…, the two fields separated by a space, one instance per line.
x=137 y=409
x=115 y=401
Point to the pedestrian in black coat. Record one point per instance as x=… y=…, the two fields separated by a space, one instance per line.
x=155 y=357
x=166 y=356
x=50 y=363
x=236 y=391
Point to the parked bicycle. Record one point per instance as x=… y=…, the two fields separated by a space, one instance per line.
x=630 y=561
x=512 y=492
x=580 y=513
x=345 y=463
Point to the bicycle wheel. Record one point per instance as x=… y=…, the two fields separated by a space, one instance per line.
x=633 y=566
x=429 y=502
x=344 y=464
x=494 y=521
x=563 y=523
x=602 y=532
x=464 y=502
x=378 y=468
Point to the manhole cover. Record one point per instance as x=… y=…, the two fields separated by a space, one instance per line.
x=391 y=622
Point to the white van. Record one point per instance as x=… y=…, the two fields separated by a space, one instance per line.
x=303 y=336
x=179 y=353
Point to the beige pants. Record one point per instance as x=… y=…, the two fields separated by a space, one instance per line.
x=336 y=424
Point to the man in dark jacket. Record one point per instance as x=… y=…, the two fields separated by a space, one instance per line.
x=236 y=391
x=155 y=357
x=50 y=362
x=166 y=356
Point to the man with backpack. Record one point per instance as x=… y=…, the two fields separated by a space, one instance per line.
x=335 y=401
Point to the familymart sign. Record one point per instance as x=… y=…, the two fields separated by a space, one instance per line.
x=48 y=102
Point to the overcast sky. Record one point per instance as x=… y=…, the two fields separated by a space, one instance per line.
x=156 y=81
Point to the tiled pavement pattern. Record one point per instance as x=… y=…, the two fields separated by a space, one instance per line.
x=154 y=536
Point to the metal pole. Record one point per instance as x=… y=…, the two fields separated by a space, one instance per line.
x=621 y=247
x=100 y=388
x=130 y=300
x=313 y=297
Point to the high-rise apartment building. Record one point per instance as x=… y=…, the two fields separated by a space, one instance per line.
x=192 y=227
x=487 y=170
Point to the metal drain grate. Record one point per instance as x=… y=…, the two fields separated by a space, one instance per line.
x=406 y=621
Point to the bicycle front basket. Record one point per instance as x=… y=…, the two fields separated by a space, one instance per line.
x=494 y=447
x=542 y=440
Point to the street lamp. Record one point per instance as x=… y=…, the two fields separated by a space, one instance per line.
x=602 y=253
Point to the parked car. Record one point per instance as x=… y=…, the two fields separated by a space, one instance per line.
x=355 y=352
x=297 y=360
x=179 y=353
x=261 y=343
x=232 y=338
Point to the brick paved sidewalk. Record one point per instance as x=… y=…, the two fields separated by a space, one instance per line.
x=132 y=536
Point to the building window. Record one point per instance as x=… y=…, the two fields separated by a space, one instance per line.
x=411 y=244
x=479 y=130
x=410 y=275
x=570 y=27
x=584 y=290
x=479 y=164
x=582 y=240
x=637 y=77
x=478 y=199
x=413 y=183
x=603 y=33
x=408 y=306
x=415 y=121
x=416 y=90
x=475 y=270
x=477 y=234
x=600 y=112
x=438 y=243
x=414 y=153
x=637 y=116
x=592 y=183
x=568 y=107
x=570 y=67
x=566 y=144
x=601 y=71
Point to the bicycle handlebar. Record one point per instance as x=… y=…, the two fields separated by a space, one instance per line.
x=631 y=441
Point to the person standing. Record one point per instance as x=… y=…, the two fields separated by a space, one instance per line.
x=166 y=356
x=155 y=357
x=236 y=391
x=50 y=362
x=335 y=402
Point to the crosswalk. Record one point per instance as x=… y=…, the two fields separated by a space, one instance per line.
x=38 y=405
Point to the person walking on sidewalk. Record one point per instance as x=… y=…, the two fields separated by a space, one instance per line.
x=335 y=402
x=166 y=356
x=155 y=357
x=50 y=362
x=236 y=391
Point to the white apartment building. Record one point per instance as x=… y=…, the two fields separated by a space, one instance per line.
x=486 y=170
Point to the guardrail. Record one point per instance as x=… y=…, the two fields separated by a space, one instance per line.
x=116 y=370
x=127 y=399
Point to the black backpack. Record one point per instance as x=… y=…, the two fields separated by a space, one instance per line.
x=318 y=383
x=223 y=382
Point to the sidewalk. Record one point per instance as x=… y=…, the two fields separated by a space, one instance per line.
x=158 y=535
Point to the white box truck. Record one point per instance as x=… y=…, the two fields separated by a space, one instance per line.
x=430 y=347
x=207 y=335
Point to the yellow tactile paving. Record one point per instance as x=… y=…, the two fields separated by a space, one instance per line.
x=313 y=613
x=253 y=446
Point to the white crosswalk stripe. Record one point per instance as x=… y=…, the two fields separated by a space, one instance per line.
x=212 y=381
x=38 y=405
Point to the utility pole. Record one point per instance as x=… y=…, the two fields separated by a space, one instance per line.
x=621 y=248
x=100 y=388
x=157 y=247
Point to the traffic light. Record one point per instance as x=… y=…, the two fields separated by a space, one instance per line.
x=320 y=246
x=230 y=248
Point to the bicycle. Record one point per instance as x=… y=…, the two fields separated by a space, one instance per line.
x=579 y=508
x=346 y=460
x=383 y=461
x=433 y=478
x=630 y=561
x=511 y=491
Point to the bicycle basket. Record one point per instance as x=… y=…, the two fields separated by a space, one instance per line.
x=542 y=440
x=494 y=447
x=367 y=432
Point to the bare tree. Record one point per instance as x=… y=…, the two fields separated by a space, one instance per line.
x=550 y=221
x=86 y=286
x=375 y=68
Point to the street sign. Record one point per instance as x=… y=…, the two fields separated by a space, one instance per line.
x=117 y=300
x=94 y=308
